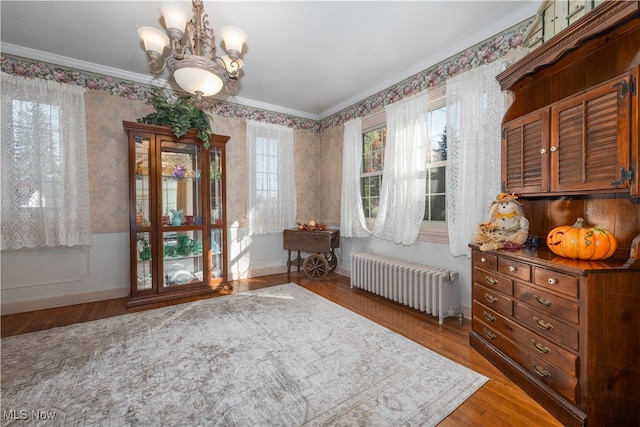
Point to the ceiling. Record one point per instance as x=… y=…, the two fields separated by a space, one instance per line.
x=306 y=58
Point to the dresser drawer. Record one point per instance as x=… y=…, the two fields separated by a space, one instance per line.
x=547 y=327
x=544 y=372
x=559 y=282
x=548 y=374
x=493 y=281
x=492 y=299
x=545 y=350
x=514 y=268
x=484 y=260
x=545 y=302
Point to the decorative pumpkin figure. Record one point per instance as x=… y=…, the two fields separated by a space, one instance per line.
x=581 y=242
x=506 y=227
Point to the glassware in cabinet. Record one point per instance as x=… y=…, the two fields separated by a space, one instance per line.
x=143 y=264
x=183 y=258
x=181 y=184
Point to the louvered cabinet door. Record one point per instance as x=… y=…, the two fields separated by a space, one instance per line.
x=525 y=154
x=590 y=139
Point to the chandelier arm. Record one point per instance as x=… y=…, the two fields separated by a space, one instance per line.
x=154 y=66
x=175 y=35
x=231 y=86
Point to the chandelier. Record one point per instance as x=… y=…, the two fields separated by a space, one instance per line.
x=192 y=60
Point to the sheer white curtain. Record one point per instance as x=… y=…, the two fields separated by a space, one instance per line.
x=402 y=196
x=271 y=185
x=45 y=179
x=352 y=220
x=475 y=108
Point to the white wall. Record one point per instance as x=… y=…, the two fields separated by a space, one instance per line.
x=34 y=279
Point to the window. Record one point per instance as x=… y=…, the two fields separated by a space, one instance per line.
x=371 y=177
x=271 y=189
x=373 y=142
x=38 y=180
x=267 y=187
x=436 y=203
x=45 y=190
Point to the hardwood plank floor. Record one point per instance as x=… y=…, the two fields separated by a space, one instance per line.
x=498 y=403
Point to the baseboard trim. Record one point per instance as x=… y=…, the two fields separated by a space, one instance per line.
x=62 y=301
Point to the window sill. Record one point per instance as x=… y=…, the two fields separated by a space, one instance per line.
x=433 y=236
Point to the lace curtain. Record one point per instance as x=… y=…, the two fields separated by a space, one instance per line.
x=45 y=180
x=271 y=186
x=475 y=108
x=352 y=220
x=402 y=196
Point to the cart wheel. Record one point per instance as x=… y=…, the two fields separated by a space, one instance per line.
x=333 y=261
x=316 y=267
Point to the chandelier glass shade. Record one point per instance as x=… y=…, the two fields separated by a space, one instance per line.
x=192 y=60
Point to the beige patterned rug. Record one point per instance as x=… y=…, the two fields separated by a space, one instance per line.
x=280 y=356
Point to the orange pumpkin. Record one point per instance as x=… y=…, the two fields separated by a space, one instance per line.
x=580 y=242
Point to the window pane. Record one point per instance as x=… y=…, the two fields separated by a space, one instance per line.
x=437 y=180
x=438 y=208
x=372 y=164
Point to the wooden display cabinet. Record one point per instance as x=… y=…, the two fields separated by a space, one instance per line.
x=178 y=234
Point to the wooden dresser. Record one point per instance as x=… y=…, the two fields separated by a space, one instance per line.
x=568 y=331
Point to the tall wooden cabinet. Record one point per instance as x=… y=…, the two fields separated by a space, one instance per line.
x=565 y=330
x=178 y=234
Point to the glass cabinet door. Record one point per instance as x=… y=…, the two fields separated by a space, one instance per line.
x=142 y=188
x=144 y=263
x=142 y=182
x=181 y=194
x=217 y=220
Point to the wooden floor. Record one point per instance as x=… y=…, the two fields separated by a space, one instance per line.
x=498 y=403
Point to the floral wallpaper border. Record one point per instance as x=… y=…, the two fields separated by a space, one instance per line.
x=480 y=54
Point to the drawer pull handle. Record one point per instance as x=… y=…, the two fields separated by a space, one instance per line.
x=543 y=302
x=540 y=348
x=490 y=280
x=542 y=324
x=490 y=298
x=489 y=317
x=552 y=281
x=488 y=334
x=512 y=268
x=540 y=371
x=483 y=259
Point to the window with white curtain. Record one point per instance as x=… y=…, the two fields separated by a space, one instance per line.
x=434 y=225
x=45 y=184
x=271 y=189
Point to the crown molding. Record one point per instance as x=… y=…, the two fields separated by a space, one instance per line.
x=144 y=79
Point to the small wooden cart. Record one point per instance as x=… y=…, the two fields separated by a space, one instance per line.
x=320 y=244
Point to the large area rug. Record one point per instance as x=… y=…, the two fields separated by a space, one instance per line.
x=279 y=356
